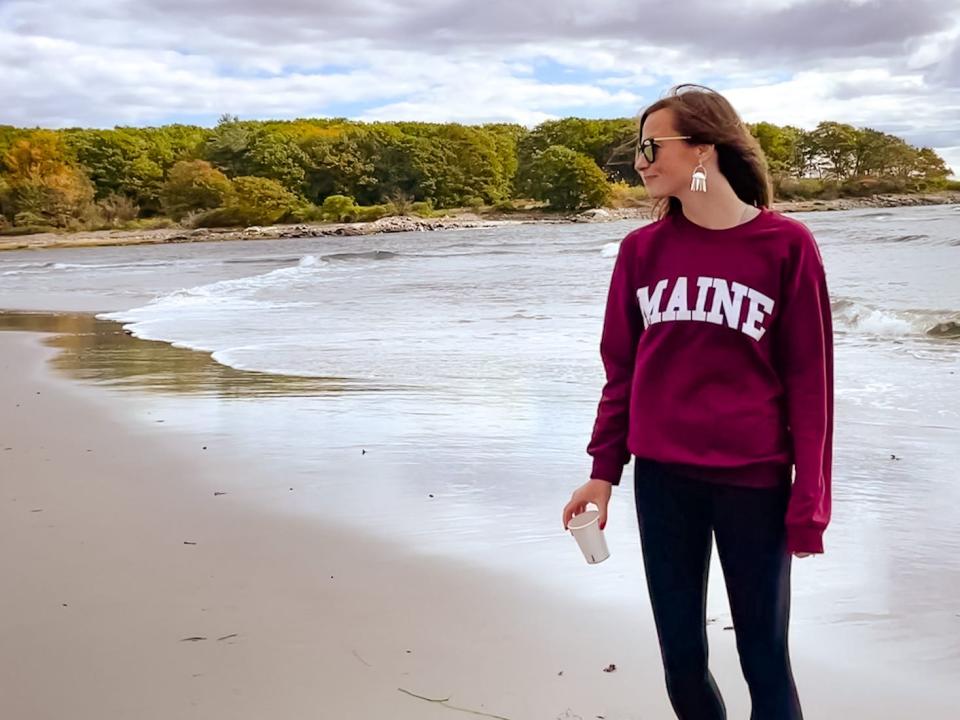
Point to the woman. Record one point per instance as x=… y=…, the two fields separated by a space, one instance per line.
x=717 y=346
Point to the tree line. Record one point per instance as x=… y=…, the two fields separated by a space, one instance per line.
x=258 y=172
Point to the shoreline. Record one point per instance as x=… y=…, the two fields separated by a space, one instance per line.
x=458 y=221
x=125 y=554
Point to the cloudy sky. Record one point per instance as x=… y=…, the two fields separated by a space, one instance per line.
x=893 y=65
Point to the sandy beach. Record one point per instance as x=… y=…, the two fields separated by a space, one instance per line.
x=106 y=600
x=143 y=581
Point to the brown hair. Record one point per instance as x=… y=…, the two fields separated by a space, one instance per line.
x=709 y=118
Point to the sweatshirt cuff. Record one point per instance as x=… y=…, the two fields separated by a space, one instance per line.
x=804 y=539
x=606 y=470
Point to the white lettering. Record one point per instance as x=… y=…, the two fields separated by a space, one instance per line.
x=703 y=284
x=730 y=304
x=650 y=307
x=726 y=304
x=677 y=305
x=759 y=304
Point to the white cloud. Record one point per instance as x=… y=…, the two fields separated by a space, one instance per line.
x=898 y=104
x=888 y=64
x=951 y=156
x=479 y=97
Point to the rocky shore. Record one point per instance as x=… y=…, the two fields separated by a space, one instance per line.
x=456 y=221
x=266 y=232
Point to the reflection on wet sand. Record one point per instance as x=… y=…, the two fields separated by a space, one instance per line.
x=101 y=351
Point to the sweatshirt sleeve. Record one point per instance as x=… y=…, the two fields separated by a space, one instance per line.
x=806 y=358
x=618 y=346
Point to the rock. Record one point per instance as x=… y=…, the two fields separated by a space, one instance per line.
x=597 y=214
x=395 y=224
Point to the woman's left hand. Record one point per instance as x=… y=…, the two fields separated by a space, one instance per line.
x=802 y=554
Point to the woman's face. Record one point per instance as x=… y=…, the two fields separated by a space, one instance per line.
x=669 y=174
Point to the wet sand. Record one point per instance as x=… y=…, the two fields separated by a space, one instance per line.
x=134 y=590
x=105 y=599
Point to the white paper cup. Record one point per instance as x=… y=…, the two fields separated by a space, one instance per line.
x=586 y=529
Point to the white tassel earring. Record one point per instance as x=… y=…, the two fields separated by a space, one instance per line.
x=699 y=182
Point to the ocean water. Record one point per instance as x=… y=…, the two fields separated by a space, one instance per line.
x=440 y=388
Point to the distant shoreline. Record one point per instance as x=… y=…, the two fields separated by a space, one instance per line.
x=456 y=221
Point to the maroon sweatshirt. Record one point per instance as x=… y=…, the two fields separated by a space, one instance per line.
x=718 y=351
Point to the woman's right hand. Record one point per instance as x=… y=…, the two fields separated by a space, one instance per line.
x=593 y=491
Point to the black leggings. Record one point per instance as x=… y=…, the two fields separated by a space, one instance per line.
x=676 y=516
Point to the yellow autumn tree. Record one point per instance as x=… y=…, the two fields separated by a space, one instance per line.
x=42 y=186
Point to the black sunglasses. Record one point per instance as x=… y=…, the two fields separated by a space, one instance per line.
x=648 y=148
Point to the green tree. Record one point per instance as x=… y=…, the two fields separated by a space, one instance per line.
x=871 y=152
x=457 y=164
x=118 y=162
x=506 y=138
x=194 y=185
x=339 y=208
x=611 y=144
x=398 y=160
x=245 y=148
x=259 y=201
x=6 y=209
x=340 y=162
x=567 y=180
x=228 y=145
x=779 y=144
x=133 y=161
x=833 y=147
x=171 y=143
x=598 y=139
x=930 y=170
